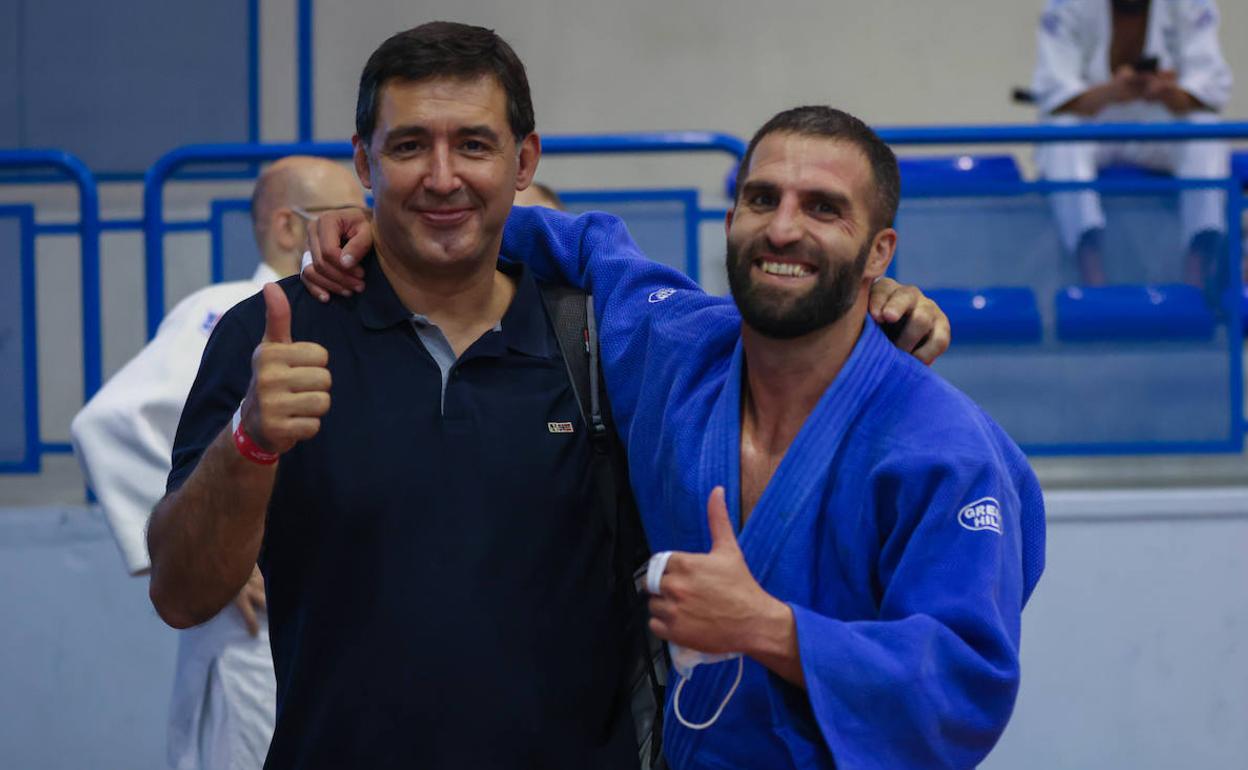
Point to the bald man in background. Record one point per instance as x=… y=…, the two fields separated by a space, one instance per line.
x=222 y=710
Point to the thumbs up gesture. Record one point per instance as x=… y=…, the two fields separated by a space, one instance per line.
x=289 y=391
x=710 y=602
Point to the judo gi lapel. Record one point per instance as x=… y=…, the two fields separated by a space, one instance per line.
x=797 y=485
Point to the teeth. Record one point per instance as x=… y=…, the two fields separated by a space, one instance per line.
x=790 y=269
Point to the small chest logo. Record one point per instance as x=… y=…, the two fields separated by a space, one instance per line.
x=984 y=513
x=660 y=295
x=210 y=321
x=559 y=427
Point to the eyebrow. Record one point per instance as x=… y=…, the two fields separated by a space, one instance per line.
x=483 y=131
x=832 y=196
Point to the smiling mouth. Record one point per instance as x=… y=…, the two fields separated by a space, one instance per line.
x=784 y=269
x=444 y=217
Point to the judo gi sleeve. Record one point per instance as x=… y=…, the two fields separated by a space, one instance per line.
x=931 y=681
x=1202 y=70
x=631 y=293
x=1058 y=76
x=123 y=437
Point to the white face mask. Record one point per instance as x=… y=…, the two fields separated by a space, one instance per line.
x=684 y=659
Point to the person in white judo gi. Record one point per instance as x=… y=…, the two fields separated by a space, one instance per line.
x=1126 y=61
x=221 y=714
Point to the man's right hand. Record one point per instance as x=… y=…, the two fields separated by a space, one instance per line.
x=289 y=391
x=251 y=602
x=1125 y=85
x=335 y=266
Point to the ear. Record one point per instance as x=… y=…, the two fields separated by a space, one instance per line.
x=881 y=255
x=530 y=153
x=728 y=219
x=360 y=158
x=285 y=231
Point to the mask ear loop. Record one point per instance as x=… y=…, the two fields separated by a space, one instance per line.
x=714 y=717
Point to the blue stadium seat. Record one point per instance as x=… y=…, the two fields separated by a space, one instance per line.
x=997 y=314
x=1128 y=171
x=949 y=170
x=1136 y=313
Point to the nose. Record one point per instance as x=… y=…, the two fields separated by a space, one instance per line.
x=785 y=227
x=441 y=178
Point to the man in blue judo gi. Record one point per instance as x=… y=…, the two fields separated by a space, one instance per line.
x=861 y=582
x=881 y=533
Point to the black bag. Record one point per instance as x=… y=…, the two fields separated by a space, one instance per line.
x=571 y=312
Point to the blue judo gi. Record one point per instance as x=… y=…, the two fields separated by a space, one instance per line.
x=903 y=527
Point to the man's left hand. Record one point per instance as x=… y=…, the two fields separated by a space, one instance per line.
x=916 y=324
x=710 y=602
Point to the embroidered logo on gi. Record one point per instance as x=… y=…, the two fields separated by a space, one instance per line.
x=559 y=427
x=984 y=513
x=660 y=295
x=210 y=321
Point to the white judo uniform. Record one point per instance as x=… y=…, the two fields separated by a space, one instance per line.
x=224 y=694
x=1073 y=52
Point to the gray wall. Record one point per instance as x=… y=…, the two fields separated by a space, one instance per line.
x=598 y=65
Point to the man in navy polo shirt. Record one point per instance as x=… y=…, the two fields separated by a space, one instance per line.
x=436 y=585
x=438 y=590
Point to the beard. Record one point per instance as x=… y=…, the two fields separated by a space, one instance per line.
x=781 y=316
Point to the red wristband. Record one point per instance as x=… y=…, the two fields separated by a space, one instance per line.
x=246 y=446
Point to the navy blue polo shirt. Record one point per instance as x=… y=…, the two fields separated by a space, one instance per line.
x=437 y=581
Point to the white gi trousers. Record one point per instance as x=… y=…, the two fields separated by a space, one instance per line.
x=224 y=696
x=1078 y=212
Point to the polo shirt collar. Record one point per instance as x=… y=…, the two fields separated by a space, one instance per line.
x=379 y=306
x=524 y=327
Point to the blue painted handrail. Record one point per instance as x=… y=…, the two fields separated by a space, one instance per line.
x=154 y=225
x=660 y=141
x=1143 y=132
x=305 y=20
x=89 y=235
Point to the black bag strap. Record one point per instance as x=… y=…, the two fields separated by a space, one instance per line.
x=571 y=313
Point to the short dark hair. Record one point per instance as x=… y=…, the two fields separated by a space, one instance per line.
x=445 y=49
x=831 y=123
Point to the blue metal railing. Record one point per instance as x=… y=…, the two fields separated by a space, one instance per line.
x=88 y=230
x=1031 y=134
x=155 y=227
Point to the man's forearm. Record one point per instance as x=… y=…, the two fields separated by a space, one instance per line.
x=1181 y=102
x=1089 y=102
x=205 y=537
